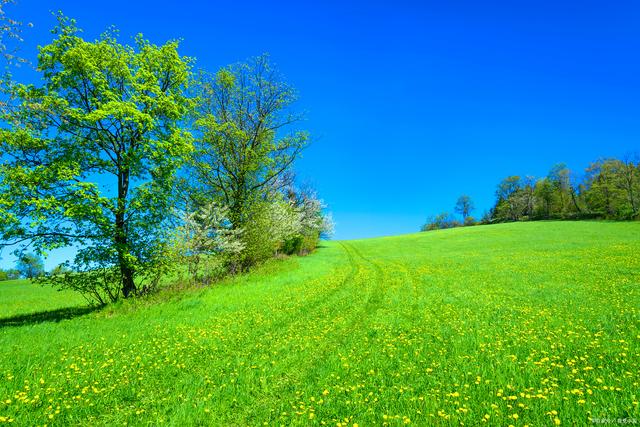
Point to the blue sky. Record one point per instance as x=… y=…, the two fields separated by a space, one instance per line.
x=412 y=103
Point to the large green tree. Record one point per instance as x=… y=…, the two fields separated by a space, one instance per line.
x=90 y=156
x=247 y=139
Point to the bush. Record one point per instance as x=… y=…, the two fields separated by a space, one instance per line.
x=206 y=243
x=468 y=221
x=440 y=222
x=258 y=238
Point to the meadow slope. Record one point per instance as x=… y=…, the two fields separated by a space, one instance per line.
x=523 y=324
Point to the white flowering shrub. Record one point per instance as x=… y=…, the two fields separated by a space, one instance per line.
x=207 y=242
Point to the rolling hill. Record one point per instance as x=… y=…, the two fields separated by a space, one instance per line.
x=523 y=324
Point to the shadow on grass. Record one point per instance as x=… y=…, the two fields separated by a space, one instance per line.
x=46 y=316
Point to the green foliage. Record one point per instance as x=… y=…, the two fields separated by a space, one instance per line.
x=30 y=265
x=439 y=328
x=441 y=221
x=207 y=243
x=610 y=189
x=464 y=206
x=285 y=221
x=244 y=153
x=545 y=196
x=246 y=142
x=60 y=269
x=92 y=157
x=258 y=239
x=96 y=285
x=9 y=274
x=106 y=114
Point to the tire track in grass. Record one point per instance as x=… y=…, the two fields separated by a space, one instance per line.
x=317 y=368
x=354 y=337
x=338 y=319
x=278 y=318
x=295 y=333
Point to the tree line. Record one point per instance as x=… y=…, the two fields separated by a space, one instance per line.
x=147 y=165
x=608 y=189
x=28 y=266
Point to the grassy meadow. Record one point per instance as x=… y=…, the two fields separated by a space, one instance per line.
x=511 y=324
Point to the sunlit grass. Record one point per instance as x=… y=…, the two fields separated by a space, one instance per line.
x=523 y=324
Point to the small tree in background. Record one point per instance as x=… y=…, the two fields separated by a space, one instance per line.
x=440 y=222
x=12 y=274
x=286 y=223
x=30 y=266
x=60 y=269
x=543 y=192
x=464 y=206
x=630 y=182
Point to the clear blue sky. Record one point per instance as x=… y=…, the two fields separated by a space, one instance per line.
x=413 y=103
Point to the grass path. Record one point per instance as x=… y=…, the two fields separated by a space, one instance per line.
x=522 y=324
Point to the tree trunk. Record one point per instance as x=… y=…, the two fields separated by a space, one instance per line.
x=127 y=271
x=632 y=199
x=575 y=202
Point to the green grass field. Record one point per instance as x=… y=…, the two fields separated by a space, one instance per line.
x=524 y=324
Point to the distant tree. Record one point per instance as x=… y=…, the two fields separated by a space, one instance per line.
x=441 y=221
x=630 y=181
x=507 y=187
x=12 y=274
x=603 y=192
x=30 y=266
x=464 y=206
x=469 y=221
x=562 y=180
x=609 y=188
x=106 y=113
x=543 y=192
x=528 y=195
x=487 y=217
x=60 y=269
x=510 y=203
x=3 y=276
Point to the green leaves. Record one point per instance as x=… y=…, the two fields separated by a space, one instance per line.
x=246 y=136
x=91 y=155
